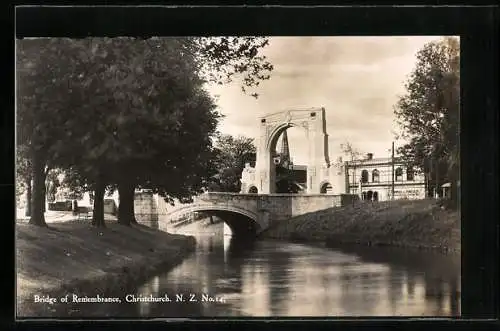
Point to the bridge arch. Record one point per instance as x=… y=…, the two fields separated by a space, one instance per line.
x=240 y=221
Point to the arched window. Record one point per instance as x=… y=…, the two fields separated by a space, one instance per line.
x=399 y=174
x=375 y=176
x=253 y=190
x=409 y=173
x=364 y=176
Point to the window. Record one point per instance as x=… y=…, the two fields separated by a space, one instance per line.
x=364 y=176
x=375 y=176
x=399 y=174
x=409 y=173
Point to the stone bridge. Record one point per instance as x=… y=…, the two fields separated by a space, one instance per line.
x=254 y=213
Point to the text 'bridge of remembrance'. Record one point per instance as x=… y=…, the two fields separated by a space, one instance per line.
x=254 y=213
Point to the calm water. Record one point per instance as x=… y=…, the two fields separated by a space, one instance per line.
x=270 y=278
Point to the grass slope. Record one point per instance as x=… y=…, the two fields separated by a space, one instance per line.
x=417 y=224
x=74 y=257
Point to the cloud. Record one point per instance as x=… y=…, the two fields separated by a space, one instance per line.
x=356 y=79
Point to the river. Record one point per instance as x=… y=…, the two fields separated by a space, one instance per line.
x=231 y=277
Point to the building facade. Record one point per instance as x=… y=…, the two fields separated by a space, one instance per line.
x=372 y=179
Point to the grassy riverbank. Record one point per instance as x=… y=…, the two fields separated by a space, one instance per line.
x=74 y=257
x=412 y=224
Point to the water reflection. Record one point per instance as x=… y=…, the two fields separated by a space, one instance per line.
x=279 y=279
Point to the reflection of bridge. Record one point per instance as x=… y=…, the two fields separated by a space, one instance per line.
x=254 y=213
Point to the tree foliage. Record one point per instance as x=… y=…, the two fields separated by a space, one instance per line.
x=429 y=112
x=46 y=110
x=231 y=155
x=126 y=113
x=23 y=170
x=351 y=152
x=224 y=58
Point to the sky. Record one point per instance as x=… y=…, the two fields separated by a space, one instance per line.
x=356 y=79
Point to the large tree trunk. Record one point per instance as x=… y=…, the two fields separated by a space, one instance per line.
x=98 y=213
x=38 y=194
x=28 y=197
x=126 y=214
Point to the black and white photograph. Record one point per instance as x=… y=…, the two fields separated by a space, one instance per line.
x=238 y=176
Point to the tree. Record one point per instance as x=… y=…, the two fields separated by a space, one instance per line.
x=232 y=153
x=74 y=184
x=429 y=113
x=45 y=110
x=105 y=89
x=222 y=59
x=350 y=151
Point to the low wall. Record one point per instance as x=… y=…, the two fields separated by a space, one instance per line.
x=61 y=206
x=280 y=207
x=270 y=207
x=285 y=206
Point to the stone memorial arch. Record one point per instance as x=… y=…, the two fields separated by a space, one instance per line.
x=312 y=122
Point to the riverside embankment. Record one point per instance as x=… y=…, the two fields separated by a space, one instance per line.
x=76 y=258
x=420 y=224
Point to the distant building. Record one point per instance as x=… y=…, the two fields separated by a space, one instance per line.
x=371 y=179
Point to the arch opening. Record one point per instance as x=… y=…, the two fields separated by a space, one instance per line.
x=240 y=223
x=375 y=196
x=284 y=175
x=326 y=188
x=253 y=190
x=369 y=195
